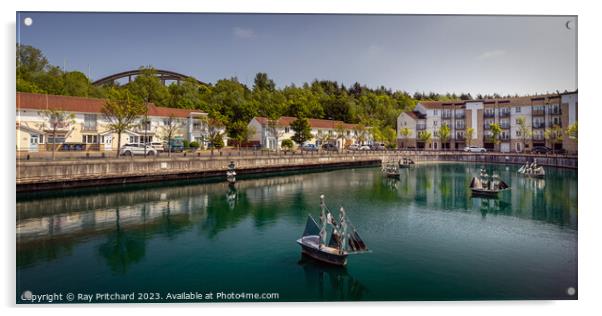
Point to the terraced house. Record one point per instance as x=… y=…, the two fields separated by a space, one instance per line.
x=88 y=130
x=270 y=134
x=524 y=122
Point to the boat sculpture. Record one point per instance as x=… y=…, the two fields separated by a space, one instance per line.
x=344 y=239
x=406 y=162
x=532 y=170
x=487 y=186
x=390 y=169
x=231 y=173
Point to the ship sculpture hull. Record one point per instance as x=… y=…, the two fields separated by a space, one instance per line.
x=309 y=246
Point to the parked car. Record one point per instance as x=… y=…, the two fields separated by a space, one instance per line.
x=176 y=145
x=475 y=149
x=329 y=147
x=137 y=149
x=541 y=150
x=353 y=147
x=158 y=146
x=309 y=147
x=365 y=147
x=377 y=146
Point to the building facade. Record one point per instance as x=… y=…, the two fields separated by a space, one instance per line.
x=270 y=134
x=88 y=128
x=523 y=122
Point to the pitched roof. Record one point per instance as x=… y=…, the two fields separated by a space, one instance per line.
x=38 y=101
x=316 y=123
x=415 y=115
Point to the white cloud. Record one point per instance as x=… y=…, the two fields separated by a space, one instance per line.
x=245 y=33
x=491 y=54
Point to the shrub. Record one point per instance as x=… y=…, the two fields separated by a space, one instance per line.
x=287 y=144
x=195 y=144
x=186 y=143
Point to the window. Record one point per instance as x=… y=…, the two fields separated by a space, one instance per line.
x=518 y=134
x=435 y=112
x=57 y=140
x=90 y=122
x=287 y=130
x=90 y=139
x=517 y=109
x=434 y=123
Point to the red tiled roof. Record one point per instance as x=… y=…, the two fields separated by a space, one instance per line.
x=316 y=123
x=86 y=105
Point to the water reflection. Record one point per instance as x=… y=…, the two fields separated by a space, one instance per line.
x=49 y=228
x=330 y=282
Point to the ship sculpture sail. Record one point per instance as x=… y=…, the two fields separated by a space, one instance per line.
x=344 y=238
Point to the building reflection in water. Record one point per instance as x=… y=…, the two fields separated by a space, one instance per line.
x=331 y=282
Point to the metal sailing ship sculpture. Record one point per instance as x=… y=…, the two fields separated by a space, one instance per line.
x=532 y=170
x=487 y=186
x=344 y=239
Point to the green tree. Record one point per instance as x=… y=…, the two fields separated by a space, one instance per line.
x=121 y=111
x=30 y=62
x=496 y=131
x=57 y=120
x=361 y=132
x=571 y=131
x=444 y=134
x=425 y=136
x=524 y=130
x=287 y=144
x=76 y=83
x=185 y=95
x=217 y=141
x=469 y=133
x=554 y=135
x=390 y=137
x=341 y=133
x=241 y=132
x=148 y=87
x=405 y=132
x=169 y=129
x=302 y=130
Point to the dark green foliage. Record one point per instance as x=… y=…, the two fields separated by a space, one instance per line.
x=302 y=130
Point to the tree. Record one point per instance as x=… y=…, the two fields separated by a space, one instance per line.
x=148 y=87
x=287 y=144
x=444 y=134
x=241 y=132
x=170 y=127
x=341 y=132
x=554 y=135
x=360 y=131
x=390 y=137
x=121 y=110
x=58 y=120
x=302 y=130
x=524 y=130
x=469 y=133
x=30 y=61
x=496 y=131
x=571 y=131
x=425 y=136
x=405 y=132
x=217 y=141
x=76 y=83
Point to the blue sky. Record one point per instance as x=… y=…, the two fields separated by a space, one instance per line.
x=476 y=54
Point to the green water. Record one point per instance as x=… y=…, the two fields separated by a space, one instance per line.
x=430 y=239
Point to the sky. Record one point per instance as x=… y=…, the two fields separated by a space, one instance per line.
x=475 y=54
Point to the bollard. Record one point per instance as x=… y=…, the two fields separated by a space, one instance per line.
x=28 y=157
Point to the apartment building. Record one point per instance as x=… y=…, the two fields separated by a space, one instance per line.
x=537 y=112
x=89 y=128
x=270 y=135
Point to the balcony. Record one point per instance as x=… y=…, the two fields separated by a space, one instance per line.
x=460 y=126
x=555 y=112
x=89 y=128
x=505 y=126
x=538 y=113
x=459 y=116
x=420 y=127
x=505 y=114
x=445 y=115
x=505 y=138
x=460 y=137
x=538 y=137
x=539 y=125
x=487 y=126
x=489 y=114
